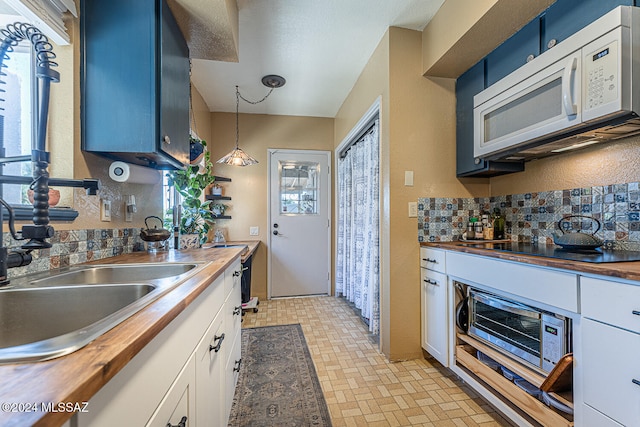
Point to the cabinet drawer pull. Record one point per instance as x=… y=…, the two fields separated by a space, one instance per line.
x=237 y=310
x=216 y=348
x=635 y=381
x=182 y=423
x=435 y=261
x=236 y=368
x=236 y=273
x=636 y=312
x=431 y=282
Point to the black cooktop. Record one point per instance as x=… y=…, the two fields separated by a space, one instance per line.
x=598 y=255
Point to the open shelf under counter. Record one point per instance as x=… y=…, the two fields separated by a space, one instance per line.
x=505 y=389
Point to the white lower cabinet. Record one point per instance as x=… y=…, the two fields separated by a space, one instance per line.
x=210 y=374
x=610 y=357
x=434 y=315
x=178 y=408
x=179 y=373
x=433 y=293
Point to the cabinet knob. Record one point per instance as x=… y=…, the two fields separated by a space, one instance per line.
x=182 y=423
x=237 y=310
x=552 y=43
x=166 y=139
x=216 y=348
x=531 y=57
x=236 y=368
x=236 y=273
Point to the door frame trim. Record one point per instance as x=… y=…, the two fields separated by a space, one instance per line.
x=327 y=153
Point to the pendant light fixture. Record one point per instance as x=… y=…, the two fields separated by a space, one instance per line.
x=237 y=157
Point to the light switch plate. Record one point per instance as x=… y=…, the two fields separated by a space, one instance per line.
x=254 y=231
x=413 y=209
x=408 y=178
x=105 y=210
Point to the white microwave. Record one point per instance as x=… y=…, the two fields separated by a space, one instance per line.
x=583 y=91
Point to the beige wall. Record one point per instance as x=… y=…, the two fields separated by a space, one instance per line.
x=607 y=163
x=417 y=134
x=248 y=188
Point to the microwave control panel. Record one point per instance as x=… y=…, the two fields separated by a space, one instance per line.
x=602 y=75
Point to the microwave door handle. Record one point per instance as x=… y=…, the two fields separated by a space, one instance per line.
x=570 y=108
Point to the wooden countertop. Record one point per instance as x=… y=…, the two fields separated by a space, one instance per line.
x=622 y=270
x=76 y=377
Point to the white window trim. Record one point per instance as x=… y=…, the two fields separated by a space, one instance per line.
x=47 y=16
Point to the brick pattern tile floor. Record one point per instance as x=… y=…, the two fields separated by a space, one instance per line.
x=361 y=387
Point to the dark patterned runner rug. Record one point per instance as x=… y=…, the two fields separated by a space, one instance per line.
x=277 y=384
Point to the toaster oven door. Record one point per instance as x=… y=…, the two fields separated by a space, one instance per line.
x=508 y=325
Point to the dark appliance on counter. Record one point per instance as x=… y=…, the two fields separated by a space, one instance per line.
x=597 y=255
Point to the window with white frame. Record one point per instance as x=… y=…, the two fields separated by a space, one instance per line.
x=18 y=97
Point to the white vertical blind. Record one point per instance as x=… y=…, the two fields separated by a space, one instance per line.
x=47 y=16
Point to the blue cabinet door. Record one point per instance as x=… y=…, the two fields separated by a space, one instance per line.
x=513 y=53
x=134 y=83
x=467 y=85
x=565 y=17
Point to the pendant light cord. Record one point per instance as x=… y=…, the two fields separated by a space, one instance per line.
x=238 y=97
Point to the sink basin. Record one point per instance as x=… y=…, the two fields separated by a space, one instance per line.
x=42 y=323
x=48 y=315
x=224 y=245
x=129 y=273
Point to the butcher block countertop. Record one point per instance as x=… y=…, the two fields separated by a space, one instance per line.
x=76 y=377
x=622 y=270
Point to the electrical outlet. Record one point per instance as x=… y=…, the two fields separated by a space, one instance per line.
x=105 y=210
x=413 y=209
x=254 y=231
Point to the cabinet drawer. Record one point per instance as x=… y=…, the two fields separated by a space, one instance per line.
x=611 y=302
x=433 y=259
x=554 y=288
x=610 y=365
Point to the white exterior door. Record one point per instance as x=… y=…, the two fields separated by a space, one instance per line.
x=299 y=221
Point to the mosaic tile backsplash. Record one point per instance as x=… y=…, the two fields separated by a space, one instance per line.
x=72 y=247
x=533 y=217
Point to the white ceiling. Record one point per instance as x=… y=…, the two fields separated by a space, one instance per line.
x=319 y=46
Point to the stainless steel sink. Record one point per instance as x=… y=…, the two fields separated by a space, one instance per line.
x=129 y=273
x=49 y=315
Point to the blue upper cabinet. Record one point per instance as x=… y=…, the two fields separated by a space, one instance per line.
x=565 y=17
x=513 y=53
x=134 y=83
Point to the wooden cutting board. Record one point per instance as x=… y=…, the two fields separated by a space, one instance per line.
x=561 y=376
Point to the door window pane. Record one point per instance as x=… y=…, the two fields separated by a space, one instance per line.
x=298 y=188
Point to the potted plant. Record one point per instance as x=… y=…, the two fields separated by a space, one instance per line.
x=218 y=209
x=196 y=218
